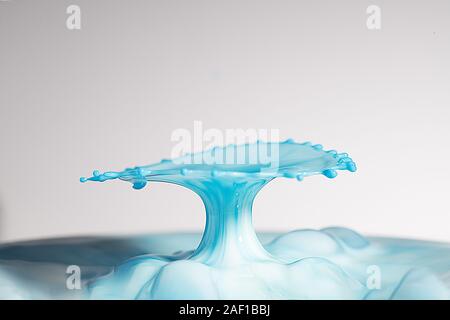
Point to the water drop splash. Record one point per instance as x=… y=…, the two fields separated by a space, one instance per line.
x=228 y=190
x=229 y=260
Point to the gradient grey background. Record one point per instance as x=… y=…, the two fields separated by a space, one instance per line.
x=110 y=95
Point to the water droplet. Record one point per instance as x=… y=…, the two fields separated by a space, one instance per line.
x=351 y=166
x=330 y=173
x=139 y=184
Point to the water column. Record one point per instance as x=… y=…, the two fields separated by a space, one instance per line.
x=229 y=237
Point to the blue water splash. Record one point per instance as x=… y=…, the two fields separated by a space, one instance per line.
x=229 y=261
x=228 y=188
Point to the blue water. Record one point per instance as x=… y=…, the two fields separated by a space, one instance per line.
x=229 y=260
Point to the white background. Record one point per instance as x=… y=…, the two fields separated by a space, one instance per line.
x=109 y=96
